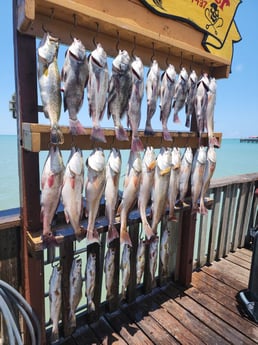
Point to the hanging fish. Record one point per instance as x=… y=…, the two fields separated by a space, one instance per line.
x=126 y=269
x=51 y=186
x=94 y=189
x=208 y=173
x=135 y=101
x=131 y=189
x=180 y=93
x=113 y=170
x=189 y=103
x=55 y=299
x=153 y=256
x=140 y=260
x=164 y=251
x=50 y=85
x=160 y=189
x=152 y=90
x=75 y=295
x=174 y=181
x=97 y=90
x=148 y=170
x=74 y=76
x=200 y=102
x=198 y=170
x=119 y=91
x=72 y=191
x=210 y=113
x=109 y=269
x=167 y=91
x=90 y=275
x=185 y=173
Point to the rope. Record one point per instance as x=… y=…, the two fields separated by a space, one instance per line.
x=12 y=301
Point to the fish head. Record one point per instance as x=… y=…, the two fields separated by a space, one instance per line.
x=77 y=50
x=122 y=61
x=149 y=158
x=183 y=74
x=99 y=56
x=56 y=160
x=136 y=162
x=202 y=155
x=193 y=77
x=77 y=266
x=48 y=48
x=96 y=160
x=137 y=68
x=200 y=98
x=171 y=73
x=189 y=155
x=176 y=158
x=212 y=85
x=211 y=154
x=114 y=160
x=164 y=159
x=76 y=164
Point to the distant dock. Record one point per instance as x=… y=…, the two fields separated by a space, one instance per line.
x=249 y=140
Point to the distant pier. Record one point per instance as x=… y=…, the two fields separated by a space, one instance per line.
x=249 y=140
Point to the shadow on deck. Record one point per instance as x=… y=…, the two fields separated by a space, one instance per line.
x=205 y=313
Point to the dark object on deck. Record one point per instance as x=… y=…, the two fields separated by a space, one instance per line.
x=248 y=298
x=249 y=240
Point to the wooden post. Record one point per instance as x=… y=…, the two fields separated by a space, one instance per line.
x=32 y=270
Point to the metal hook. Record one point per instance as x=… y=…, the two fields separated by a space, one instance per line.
x=74 y=25
x=191 y=65
x=167 y=63
x=94 y=38
x=118 y=41
x=50 y=19
x=153 y=52
x=181 y=60
x=134 y=46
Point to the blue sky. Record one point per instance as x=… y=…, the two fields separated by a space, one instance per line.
x=236 y=108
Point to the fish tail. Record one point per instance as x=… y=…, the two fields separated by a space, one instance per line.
x=176 y=118
x=76 y=127
x=121 y=134
x=213 y=142
x=72 y=319
x=91 y=305
x=112 y=234
x=166 y=135
x=148 y=130
x=202 y=209
x=187 y=121
x=125 y=238
x=54 y=334
x=98 y=134
x=80 y=233
x=56 y=136
x=92 y=237
x=137 y=144
x=148 y=230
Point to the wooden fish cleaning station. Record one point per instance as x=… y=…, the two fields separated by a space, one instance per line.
x=127 y=24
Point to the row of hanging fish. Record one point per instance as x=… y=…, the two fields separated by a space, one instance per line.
x=76 y=278
x=161 y=181
x=121 y=93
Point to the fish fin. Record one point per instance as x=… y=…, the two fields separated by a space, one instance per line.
x=98 y=134
x=72 y=182
x=91 y=305
x=202 y=209
x=56 y=136
x=118 y=211
x=148 y=230
x=213 y=142
x=148 y=131
x=121 y=134
x=50 y=180
x=67 y=219
x=137 y=144
x=112 y=234
x=125 y=238
x=187 y=121
x=76 y=127
x=166 y=135
x=92 y=237
x=176 y=118
x=54 y=335
x=72 y=319
x=80 y=233
x=65 y=104
x=151 y=166
x=165 y=171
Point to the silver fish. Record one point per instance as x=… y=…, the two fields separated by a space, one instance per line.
x=125 y=267
x=113 y=170
x=74 y=76
x=208 y=173
x=174 y=181
x=51 y=186
x=75 y=294
x=109 y=269
x=119 y=91
x=180 y=93
x=94 y=189
x=135 y=101
x=198 y=169
x=148 y=170
x=131 y=189
x=160 y=189
x=97 y=90
x=152 y=90
x=189 y=103
x=55 y=299
x=210 y=113
x=153 y=256
x=72 y=191
x=50 y=85
x=200 y=102
x=185 y=172
x=167 y=91
x=164 y=251
x=90 y=280
x=140 y=260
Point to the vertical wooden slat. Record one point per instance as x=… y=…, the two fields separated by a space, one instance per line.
x=202 y=240
x=247 y=214
x=26 y=96
x=175 y=246
x=231 y=220
x=214 y=226
x=239 y=215
x=134 y=235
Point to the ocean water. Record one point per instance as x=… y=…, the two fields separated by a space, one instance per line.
x=233 y=158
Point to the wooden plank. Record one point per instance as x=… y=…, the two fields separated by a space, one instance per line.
x=232 y=217
x=36 y=138
x=202 y=241
x=247 y=214
x=83 y=336
x=105 y=333
x=238 y=261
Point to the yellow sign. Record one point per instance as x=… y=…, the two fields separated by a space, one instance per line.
x=215 y=18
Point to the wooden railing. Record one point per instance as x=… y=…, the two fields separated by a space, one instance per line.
x=232 y=212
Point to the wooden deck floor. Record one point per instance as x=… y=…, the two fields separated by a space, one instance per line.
x=205 y=313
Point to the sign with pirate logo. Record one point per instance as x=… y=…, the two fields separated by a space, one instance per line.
x=215 y=18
